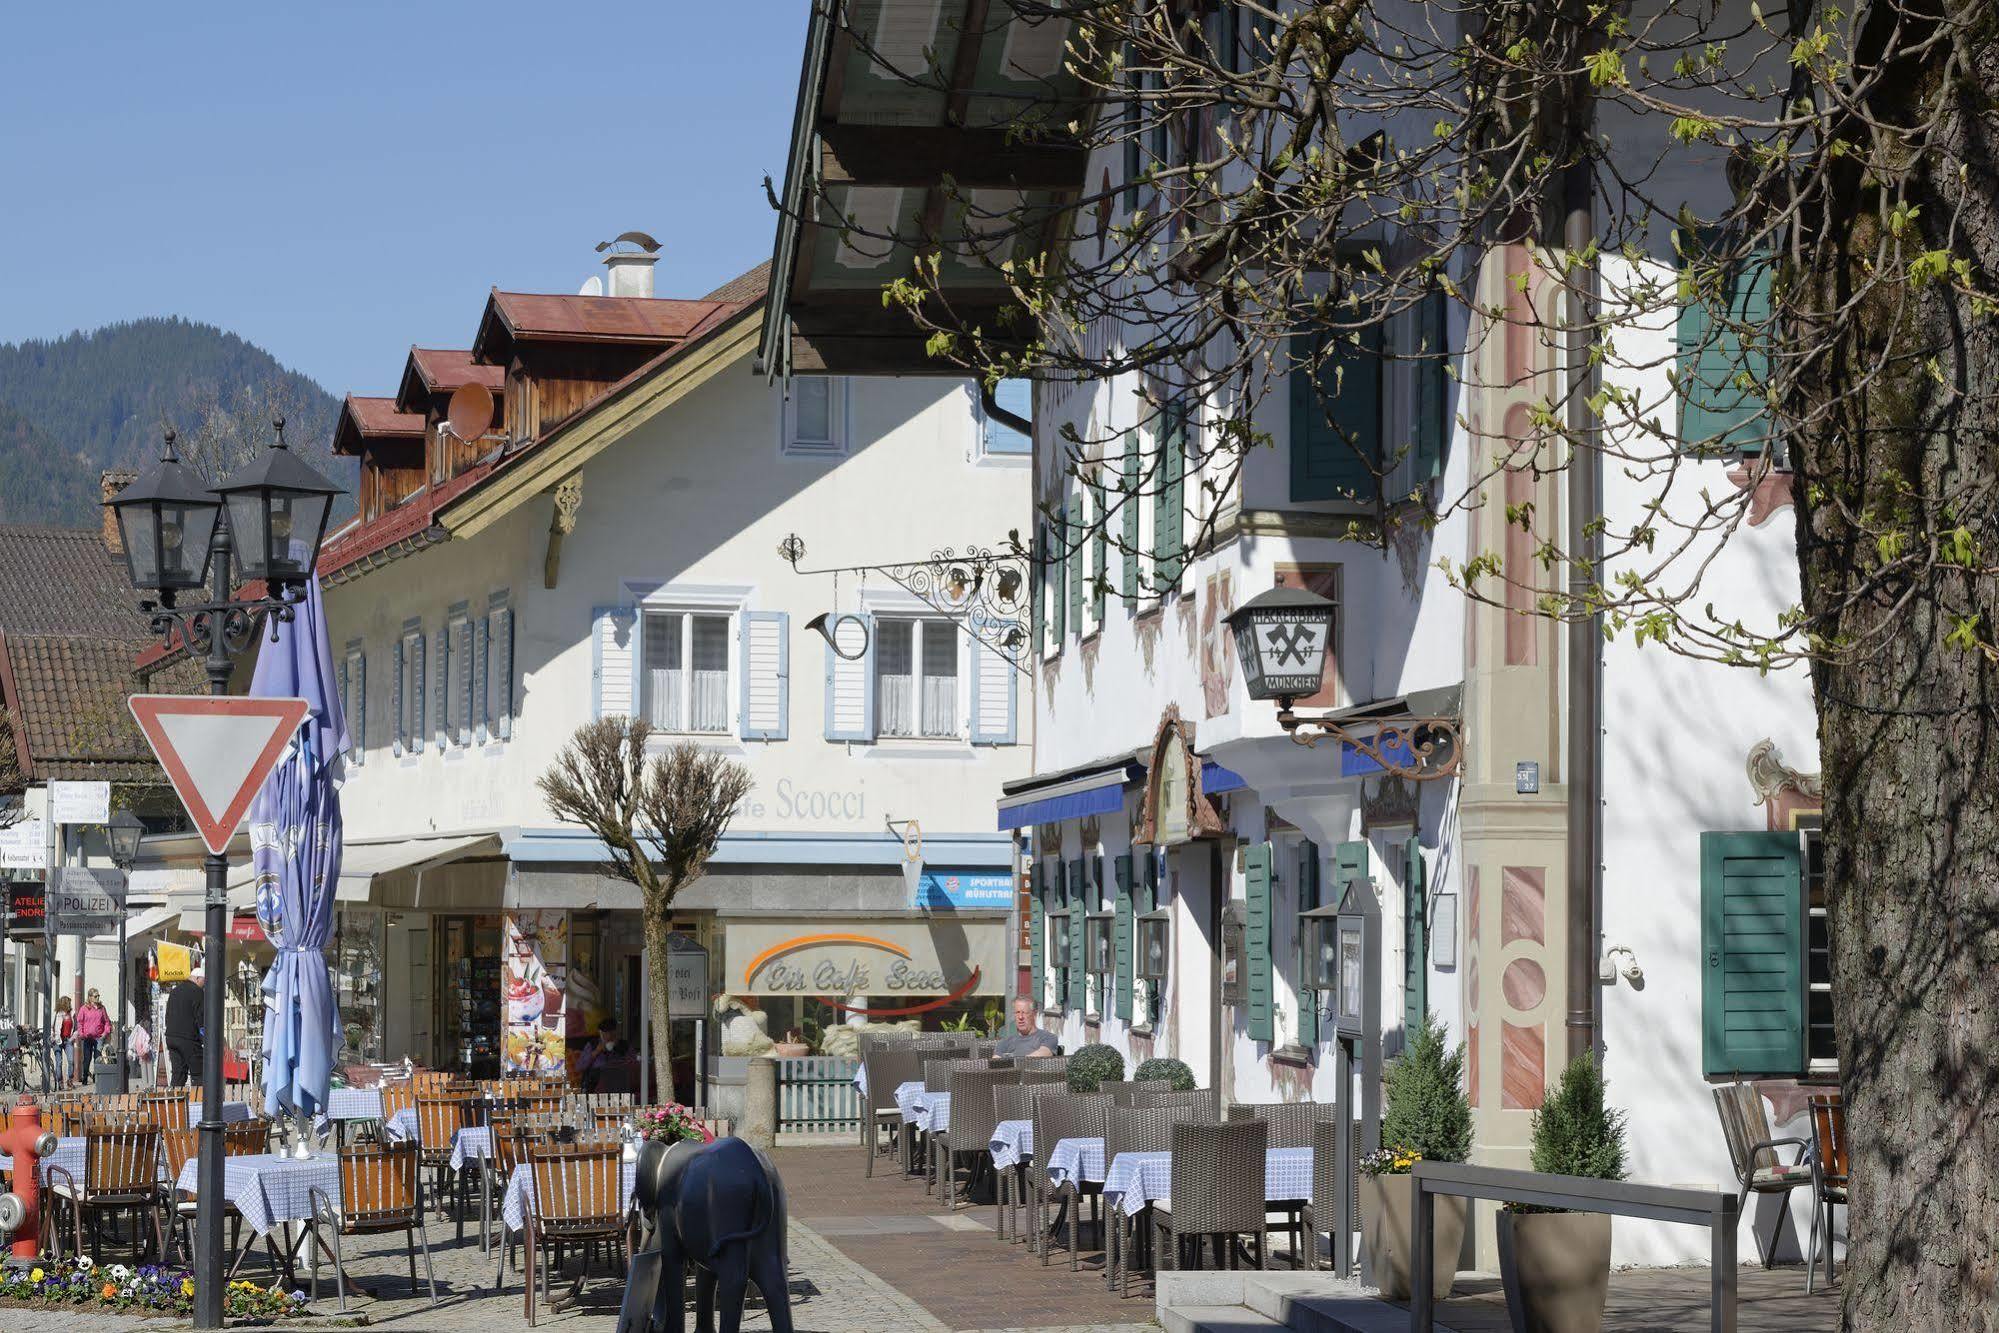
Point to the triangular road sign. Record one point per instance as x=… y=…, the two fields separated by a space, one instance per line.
x=217 y=752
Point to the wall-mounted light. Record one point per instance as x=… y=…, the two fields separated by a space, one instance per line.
x=834 y=626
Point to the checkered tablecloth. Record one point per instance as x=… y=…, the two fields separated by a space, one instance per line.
x=353 y=1104
x=268 y=1189
x=400 y=1126
x=861 y=1079
x=934 y=1116
x=1013 y=1143
x=909 y=1099
x=520 y=1188
x=232 y=1112
x=1072 y=1158
x=68 y=1155
x=472 y=1144
x=1138 y=1178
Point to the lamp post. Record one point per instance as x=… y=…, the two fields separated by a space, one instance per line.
x=123 y=832
x=177 y=540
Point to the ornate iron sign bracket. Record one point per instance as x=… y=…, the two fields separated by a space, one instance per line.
x=985 y=591
x=1421 y=749
x=195 y=629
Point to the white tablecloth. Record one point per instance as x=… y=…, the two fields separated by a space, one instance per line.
x=861 y=1079
x=353 y=1104
x=269 y=1189
x=69 y=1155
x=400 y=1126
x=1073 y=1157
x=232 y=1112
x=472 y=1144
x=1013 y=1143
x=934 y=1116
x=520 y=1188
x=1138 y=1178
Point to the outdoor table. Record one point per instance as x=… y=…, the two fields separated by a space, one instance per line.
x=68 y=1155
x=909 y=1099
x=520 y=1189
x=1013 y=1143
x=1136 y=1179
x=348 y=1104
x=400 y=1126
x=934 y=1113
x=1073 y=1159
x=232 y=1112
x=271 y=1190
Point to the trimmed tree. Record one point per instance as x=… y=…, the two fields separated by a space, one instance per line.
x=658 y=815
x=1427 y=1112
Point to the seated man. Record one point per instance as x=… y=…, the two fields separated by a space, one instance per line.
x=599 y=1052
x=1026 y=1039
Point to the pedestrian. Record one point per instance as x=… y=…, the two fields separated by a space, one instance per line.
x=183 y=1030
x=93 y=1025
x=65 y=1042
x=599 y=1054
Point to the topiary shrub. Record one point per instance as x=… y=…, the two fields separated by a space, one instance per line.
x=1427 y=1113
x=1160 y=1066
x=1575 y=1134
x=1091 y=1065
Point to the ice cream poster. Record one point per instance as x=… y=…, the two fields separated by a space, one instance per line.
x=535 y=963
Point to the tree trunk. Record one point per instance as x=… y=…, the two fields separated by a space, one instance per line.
x=1906 y=726
x=658 y=925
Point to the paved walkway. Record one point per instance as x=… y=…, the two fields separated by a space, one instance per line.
x=1668 y=1300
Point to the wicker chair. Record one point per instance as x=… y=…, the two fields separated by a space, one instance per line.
x=889 y=1067
x=970 y=1132
x=1126 y=1091
x=1042 y=1064
x=439 y=1117
x=577 y=1199
x=1015 y=1101
x=121 y=1171
x=379 y=1193
x=1203 y=1100
x=1292 y=1125
x=1753 y=1150
x=1050 y=1077
x=1136 y=1129
x=1829 y=1150
x=1069 y=1116
x=1216 y=1188
x=937 y=1078
x=1321 y=1209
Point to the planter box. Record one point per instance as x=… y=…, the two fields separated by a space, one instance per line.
x=1387 y=1203
x=1556 y=1270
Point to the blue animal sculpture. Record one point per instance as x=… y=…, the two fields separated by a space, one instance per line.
x=718 y=1209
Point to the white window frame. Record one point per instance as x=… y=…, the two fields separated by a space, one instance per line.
x=923 y=626
x=981 y=422
x=728 y=616
x=839 y=398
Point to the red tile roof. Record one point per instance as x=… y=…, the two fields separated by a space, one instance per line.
x=66 y=698
x=431 y=371
x=364 y=419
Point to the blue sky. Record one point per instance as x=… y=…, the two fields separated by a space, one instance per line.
x=338 y=181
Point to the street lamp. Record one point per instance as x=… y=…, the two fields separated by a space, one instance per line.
x=1281 y=638
x=123 y=833
x=174 y=533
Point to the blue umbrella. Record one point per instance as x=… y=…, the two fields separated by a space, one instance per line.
x=295 y=856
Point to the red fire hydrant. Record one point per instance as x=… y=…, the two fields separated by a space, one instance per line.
x=27 y=1143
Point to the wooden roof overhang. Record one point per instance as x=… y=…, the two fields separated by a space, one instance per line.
x=431 y=374
x=366 y=421
x=877 y=130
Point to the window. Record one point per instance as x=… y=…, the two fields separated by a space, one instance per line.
x=815 y=416
x=685 y=677
x=916 y=678
x=996 y=438
x=1766 y=995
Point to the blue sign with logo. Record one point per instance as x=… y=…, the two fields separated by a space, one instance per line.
x=990 y=890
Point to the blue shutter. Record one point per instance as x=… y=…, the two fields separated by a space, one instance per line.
x=605 y=658
x=850 y=684
x=501 y=664
x=1753 y=954
x=357 y=721
x=482 y=666
x=420 y=677
x=1122 y=869
x=1722 y=373
x=1258 y=1001
x=1416 y=938
x=995 y=690
x=1336 y=418
x=764 y=685
x=1308 y=898
x=400 y=741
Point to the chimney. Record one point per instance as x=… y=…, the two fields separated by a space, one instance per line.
x=109 y=484
x=629 y=258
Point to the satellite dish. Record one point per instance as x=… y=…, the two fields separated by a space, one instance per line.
x=471 y=412
x=592 y=286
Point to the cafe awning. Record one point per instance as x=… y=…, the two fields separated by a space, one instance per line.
x=360 y=865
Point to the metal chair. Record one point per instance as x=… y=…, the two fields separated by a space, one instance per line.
x=577 y=1199
x=1753 y=1151
x=1073 y=1115
x=379 y=1193
x=888 y=1069
x=1128 y=1091
x=970 y=1132
x=1015 y=1101
x=121 y=1171
x=1135 y=1129
x=1215 y=1188
x=1829 y=1150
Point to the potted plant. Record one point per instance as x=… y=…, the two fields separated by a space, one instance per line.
x=793 y=1047
x=1092 y=1065
x=1554 y=1264
x=1427 y=1118
x=1161 y=1066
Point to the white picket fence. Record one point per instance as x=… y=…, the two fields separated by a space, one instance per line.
x=816 y=1095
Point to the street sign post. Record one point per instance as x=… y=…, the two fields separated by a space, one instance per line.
x=217 y=752
x=25 y=846
x=80 y=802
x=86 y=901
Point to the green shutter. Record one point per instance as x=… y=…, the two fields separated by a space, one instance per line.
x=1058 y=601
x=1124 y=933
x=1753 y=955
x=1037 y=935
x=1038 y=591
x=1433 y=425
x=1256 y=968
x=1169 y=503
x=1336 y=423
x=1148 y=882
x=1079 y=562
x=1722 y=373
x=1100 y=558
x=1078 y=907
x=1415 y=939
x=1134 y=484
x=1308 y=898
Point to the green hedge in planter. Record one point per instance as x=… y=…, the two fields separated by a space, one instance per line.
x=1426 y=1110
x=1161 y=1066
x=1092 y=1065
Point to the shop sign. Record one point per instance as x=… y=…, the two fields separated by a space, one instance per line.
x=172 y=962
x=25 y=846
x=26 y=905
x=931 y=962
x=686 y=978
x=991 y=890
x=87 y=901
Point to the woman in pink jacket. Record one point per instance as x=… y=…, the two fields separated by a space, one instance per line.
x=93 y=1025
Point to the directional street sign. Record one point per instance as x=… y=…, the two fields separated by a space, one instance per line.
x=217 y=752
x=87 y=901
x=25 y=846
x=80 y=802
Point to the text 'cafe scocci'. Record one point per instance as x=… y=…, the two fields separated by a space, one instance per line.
x=930 y=963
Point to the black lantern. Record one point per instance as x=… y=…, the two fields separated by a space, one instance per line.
x=124 y=831
x=1058 y=938
x=1097 y=942
x=1338 y=962
x=165 y=520
x=277 y=514
x=1154 y=945
x=1281 y=637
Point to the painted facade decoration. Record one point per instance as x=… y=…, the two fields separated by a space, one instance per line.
x=534 y=970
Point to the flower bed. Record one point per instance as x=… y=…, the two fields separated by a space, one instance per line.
x=672 y=1123
x=83 y=1284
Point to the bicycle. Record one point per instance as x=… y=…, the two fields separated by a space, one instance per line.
x=20 y=1060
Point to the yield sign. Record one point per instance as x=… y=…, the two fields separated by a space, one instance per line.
x=217 y=752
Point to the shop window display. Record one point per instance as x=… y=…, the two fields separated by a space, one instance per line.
x=357 y=983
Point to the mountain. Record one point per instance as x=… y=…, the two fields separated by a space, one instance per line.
x=71 y=407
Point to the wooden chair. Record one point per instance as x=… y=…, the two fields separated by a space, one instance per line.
x=439 y=1117
x=1216 y=1188
x=166 y=1107
x=714 y=1122
x=178 y=1147
x=1829 y=1150
x=577 y=1199
x=121 y=1171
x=397 y=1097
x=379 y=1192
x=1753 y=1151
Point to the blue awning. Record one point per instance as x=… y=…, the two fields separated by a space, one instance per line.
x=1215 y=779
x=1096 y=794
